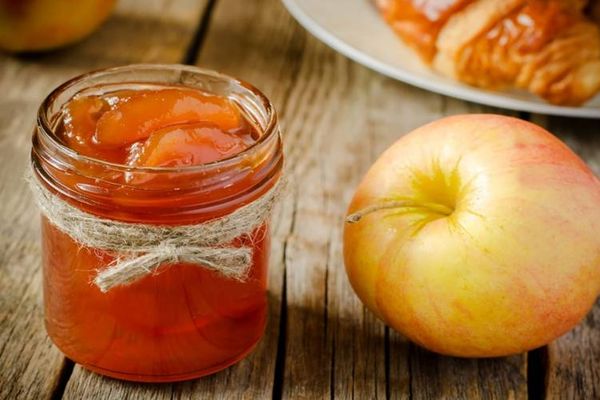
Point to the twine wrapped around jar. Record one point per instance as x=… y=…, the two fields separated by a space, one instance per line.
x=142 y=248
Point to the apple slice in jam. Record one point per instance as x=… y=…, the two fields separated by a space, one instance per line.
x=136 y=116
x=184 y=145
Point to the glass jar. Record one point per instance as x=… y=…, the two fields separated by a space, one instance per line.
x=184 y=321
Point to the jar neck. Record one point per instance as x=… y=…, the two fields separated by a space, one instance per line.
x=158 y=195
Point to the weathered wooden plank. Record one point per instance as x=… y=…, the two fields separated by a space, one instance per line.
x=84 y=384
x=29 y=365
x=573 y=362
x=459 y=378
x=355 y=137
x=337 y=118
x=139 y=31
x=572 y=365
x=244 y=41
x=268 y=49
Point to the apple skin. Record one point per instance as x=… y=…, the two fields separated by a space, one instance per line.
x=35 y=25
x=493 y=245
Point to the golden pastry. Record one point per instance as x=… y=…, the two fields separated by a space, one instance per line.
x=548 y=47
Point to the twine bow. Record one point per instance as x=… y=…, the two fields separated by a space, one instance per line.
x=142 y=248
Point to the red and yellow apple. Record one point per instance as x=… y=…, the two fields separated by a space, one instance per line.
x=32 y=25
x=476 y=236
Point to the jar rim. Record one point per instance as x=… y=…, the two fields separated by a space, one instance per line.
x=268 y=131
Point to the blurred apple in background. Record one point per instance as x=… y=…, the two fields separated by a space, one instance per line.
x=476 y=235
x=33 y=25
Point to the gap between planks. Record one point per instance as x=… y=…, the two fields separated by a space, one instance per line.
x=195 y=47
x=63 y=379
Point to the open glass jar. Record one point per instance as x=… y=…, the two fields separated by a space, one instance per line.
x=183 y=320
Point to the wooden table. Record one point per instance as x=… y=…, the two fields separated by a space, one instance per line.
x=337 y=117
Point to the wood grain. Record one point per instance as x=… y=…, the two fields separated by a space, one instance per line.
x=573 y=364
x=457 y=378
x=336 y=117
x=284 y=67
x=299 y=75
x=139 y=31
x=253 y=54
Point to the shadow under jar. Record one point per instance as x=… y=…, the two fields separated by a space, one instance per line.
x=182 y=321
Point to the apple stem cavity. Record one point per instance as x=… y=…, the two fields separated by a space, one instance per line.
x=441 y=209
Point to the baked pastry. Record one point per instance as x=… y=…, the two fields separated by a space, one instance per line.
x=548 y=47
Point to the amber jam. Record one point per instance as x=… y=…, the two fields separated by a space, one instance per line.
x=159 y=145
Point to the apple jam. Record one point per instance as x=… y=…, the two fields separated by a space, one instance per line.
x=159 y=145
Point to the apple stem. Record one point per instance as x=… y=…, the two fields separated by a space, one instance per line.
x=437 y=208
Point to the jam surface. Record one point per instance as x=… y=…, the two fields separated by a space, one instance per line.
x=169 y=127
x=183 y=321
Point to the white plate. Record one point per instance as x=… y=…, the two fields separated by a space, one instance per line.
x=355 y=29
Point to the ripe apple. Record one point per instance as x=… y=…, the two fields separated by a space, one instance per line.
x=32 y=25
x=476 y=236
